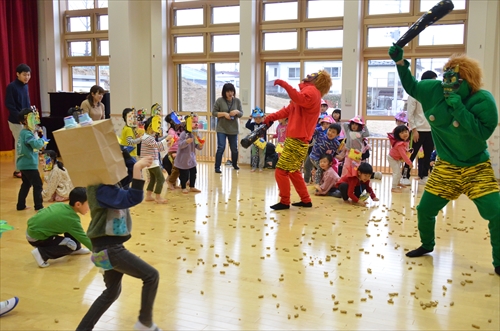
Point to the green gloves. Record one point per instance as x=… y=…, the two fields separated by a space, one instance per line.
x=453 y=100
x=396 y=53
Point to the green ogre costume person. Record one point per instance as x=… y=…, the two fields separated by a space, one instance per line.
x=462 y=117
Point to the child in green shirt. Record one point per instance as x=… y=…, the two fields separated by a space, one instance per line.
x=45 y=229
x=28 y=145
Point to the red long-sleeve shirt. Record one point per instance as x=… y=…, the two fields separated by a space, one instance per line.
x=302 y=112
x=352 y=182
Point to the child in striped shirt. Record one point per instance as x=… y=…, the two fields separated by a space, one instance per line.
x=151 y=147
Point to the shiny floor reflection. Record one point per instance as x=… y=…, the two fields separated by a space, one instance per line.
x=227 y=261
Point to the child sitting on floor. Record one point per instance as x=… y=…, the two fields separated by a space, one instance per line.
x=329 y=177
x=59 y=184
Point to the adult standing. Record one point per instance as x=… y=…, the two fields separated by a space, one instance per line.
x=421 y=135
x=93 y=105
x=302 y=114
x=17 y=98
x=462 y=117
x=227 y=109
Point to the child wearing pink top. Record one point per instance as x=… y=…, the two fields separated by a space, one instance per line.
x=399 y=152
x=329 y=178
x=281 y=130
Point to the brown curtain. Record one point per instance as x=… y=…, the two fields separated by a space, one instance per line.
x=19 y=40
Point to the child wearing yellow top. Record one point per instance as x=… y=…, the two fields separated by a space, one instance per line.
x=131 y=135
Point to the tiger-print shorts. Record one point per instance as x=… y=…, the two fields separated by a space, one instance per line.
x=449 y=181
x=293 y=155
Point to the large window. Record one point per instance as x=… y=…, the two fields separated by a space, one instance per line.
x=206 y=44
x=86 y=44
x=308 y=36
x=385 y=22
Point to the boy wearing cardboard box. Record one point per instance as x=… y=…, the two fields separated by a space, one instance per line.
x=111 y=222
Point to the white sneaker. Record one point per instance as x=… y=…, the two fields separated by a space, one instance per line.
x=81 y=251
x=38 y=258
x=405 y=181
x=141 y=327
x=8 y=305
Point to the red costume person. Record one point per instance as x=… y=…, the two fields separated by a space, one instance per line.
x=302 y=114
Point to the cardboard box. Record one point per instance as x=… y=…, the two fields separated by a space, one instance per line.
x=91 y=154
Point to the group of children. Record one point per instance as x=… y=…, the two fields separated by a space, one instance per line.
x=325 y=153
x=106 y=239
x=178 y=147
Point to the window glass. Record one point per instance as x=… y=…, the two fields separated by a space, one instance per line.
x=103 y=46
x=104 y=78
x=449 y=34
x=380 y=128
x=80 y=4
x=325 y=8
x=385 y=95
x=102 y=22
x=185 y=17
x=378 y=7
x=324 y=39
x=192 y=82
x=274 y=41
x=293 y=73
x=78 y=24
x=425 y=5
x=84 y=78
x=275 y=96
x=385 y=37
x=102 y=4
x=335 y=69
x=226 y=43
x=227 y=73
x=79 y=48
x=228 y=14
x=189 y=44
x=434 y=64
x=280 y=11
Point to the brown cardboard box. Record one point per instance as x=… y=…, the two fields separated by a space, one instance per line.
x=91 y=154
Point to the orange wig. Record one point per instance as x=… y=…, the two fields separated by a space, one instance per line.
x=469 y=70
x=323 y=82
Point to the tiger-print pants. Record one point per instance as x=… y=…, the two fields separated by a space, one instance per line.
x=447 y=182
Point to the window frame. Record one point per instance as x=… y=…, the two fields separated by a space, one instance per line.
x=412 y=50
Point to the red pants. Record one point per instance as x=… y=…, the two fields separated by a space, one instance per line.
x=283 y=179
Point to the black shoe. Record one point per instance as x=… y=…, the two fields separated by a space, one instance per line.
x=280 y=206
x=497 y=270
x=302 y=204
x=236 y=167
x=217 y=171
x=418 y=252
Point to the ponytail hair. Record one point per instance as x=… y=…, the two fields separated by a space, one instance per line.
x=53 y=156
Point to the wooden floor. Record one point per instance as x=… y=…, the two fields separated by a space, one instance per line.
x=229 y=262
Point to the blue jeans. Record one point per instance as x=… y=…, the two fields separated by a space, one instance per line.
x=221 y=146
x=123 y=262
